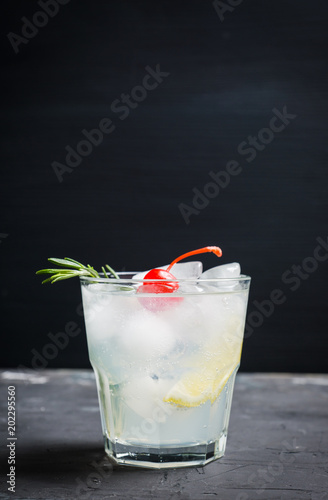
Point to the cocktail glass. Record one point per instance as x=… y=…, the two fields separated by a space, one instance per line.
x=165 y=366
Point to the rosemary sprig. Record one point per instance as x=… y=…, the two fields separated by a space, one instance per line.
x=71 y=269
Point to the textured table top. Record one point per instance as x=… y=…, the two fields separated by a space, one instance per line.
x=277 y=444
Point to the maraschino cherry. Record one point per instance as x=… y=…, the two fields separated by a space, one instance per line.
x=164 y=274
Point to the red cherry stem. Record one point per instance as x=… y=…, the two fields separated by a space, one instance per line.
x=215 y=250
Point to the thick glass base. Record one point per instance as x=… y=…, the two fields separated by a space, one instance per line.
x=164 y=457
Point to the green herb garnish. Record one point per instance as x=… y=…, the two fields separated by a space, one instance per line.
x=72 y=269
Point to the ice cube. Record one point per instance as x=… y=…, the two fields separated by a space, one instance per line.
x=225 y=271
x=105 y=313
x=228 y=271
x=146 y=336
x=145 y=394
x=187 y=270
x=183 y=270
x=223 y=313
x=187 y=320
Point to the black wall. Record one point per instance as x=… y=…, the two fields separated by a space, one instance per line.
x=229 y=71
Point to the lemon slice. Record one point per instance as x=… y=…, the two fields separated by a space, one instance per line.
x=206 y=380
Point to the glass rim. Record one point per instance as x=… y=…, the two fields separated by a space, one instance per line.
x=90 y=279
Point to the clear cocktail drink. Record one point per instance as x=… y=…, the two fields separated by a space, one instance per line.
x=165 y=366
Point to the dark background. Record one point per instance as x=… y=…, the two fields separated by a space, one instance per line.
x=120 y=205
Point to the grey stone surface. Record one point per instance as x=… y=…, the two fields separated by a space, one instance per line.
x=277 y=443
